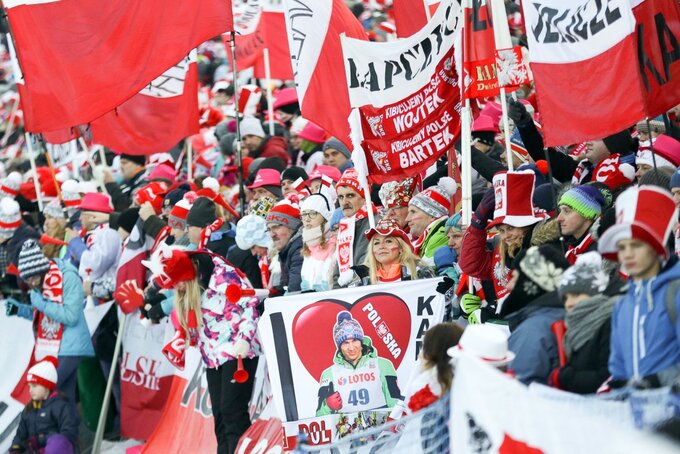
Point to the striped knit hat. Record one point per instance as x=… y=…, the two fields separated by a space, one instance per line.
x=9 y=187
x=436 y=200
x=585 y=200
x=44 y=373
x=32 y=261
x=10 y=217
x=70 y=194
x=54 y=210
x=178 y=215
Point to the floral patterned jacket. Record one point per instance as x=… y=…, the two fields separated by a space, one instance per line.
x=223 y=322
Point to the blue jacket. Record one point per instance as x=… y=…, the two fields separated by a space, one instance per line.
x=643 y=341
x=532 y=341
x=75 y=340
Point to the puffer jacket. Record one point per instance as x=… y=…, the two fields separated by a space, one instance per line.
x=643 y=340
x=39 y=420
x=291 y=263
x=75 y=340
x=223 y=322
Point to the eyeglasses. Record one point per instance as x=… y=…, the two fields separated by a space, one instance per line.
x=309 y=215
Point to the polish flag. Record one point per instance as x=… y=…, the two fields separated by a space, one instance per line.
x=273 y=25
x=314 y=29
x=158 y=117
x=83 y=58
x=410 y=15
x=583 y=58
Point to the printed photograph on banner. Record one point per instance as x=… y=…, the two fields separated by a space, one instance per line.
x=348 y=351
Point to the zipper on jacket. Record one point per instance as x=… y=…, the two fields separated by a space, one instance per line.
x=635 y=327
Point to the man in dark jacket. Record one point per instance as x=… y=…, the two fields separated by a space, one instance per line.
x=202 y=215
x=531 y=308
x=285 y=228
x=259 y=144
x=134 y=176
x=580 y=206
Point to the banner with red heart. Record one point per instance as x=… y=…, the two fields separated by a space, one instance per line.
x=379 y=314
x=300 y=343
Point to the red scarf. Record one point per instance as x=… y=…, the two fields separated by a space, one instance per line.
x=49 y=332
x=418 y=244
x=574 y=251
x=345 y=242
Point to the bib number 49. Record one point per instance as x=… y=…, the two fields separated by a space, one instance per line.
x=359 y=397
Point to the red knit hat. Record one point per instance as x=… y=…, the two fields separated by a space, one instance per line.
x=350 y=178
x=285 y=213
x=614 y=173
x=96 y=201
x=44 y=373
x=178 y=214
x=170 y=266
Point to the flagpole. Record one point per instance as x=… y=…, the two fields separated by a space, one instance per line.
x=239 y=155
x=428 y=16
x=74 y=150
x=506 y=130
x=190 y=159
x=270 y=98
x=31 y=158
x=10 y=124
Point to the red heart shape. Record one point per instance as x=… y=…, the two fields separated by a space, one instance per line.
x=381 y=315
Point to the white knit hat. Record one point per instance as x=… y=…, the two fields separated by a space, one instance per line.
x=9 y=187
x=318 y=203
x=44 y=373
x=10 y=217
x=251 y=230
x=436 y=200
x=54 y=209
x=251 y=126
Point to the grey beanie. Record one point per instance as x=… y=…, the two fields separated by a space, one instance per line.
x=336 y=144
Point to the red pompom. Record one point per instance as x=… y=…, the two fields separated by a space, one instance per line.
x=542 y=166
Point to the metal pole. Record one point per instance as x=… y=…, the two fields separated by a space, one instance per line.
x=270 y=98
x=190 y=160
x=31 y=157
x=239 y=156
x=99 y=435
x=506 y=130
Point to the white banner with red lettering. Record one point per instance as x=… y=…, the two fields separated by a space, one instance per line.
x=407 y=95
x=145 y=377
x=310 y=340
x=492 y=412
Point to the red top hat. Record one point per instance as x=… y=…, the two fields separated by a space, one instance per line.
x=645 y=213
x=514 y=193
x=96 y=201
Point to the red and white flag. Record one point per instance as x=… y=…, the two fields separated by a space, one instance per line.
x=658 y=53
x=314 y=29
x=410 y=15
x=478 y=51
x=158 y=117
x=81 y=59
x=583 y=58
x=407 y=97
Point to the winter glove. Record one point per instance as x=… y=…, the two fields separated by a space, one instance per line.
x=484 y=212
x=276 y=291
x=477 y=317
x=360 y=270
x=445 y=285
x=469 y=303
x=129 y=297
x=14 y=307
x=518 y=113
x=334 y=401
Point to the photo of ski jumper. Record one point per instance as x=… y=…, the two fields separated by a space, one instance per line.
x=359 y=379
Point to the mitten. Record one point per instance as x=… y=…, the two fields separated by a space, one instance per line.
x=129 y=297
x=334 y=401
x=445 y=285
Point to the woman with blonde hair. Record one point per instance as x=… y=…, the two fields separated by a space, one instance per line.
x=391 y=257
x=213 y=315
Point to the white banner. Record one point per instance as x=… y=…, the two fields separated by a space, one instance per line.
x=492 y=412
x=346 y=351
x=384 y=73
x=568 y=32
x=62 y=154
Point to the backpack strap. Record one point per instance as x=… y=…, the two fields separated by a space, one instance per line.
x=671 y=308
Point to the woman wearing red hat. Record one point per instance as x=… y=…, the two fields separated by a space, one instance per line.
x=390 y=256
x=221 y=323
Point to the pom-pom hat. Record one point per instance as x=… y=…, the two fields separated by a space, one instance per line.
x=346 y=328
x=169 y=266
x=436 y=200
x=10 y=217
x=44 y=373
x=285 y=213
x=32 y=262
x=514 y=192
x=646 y=213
